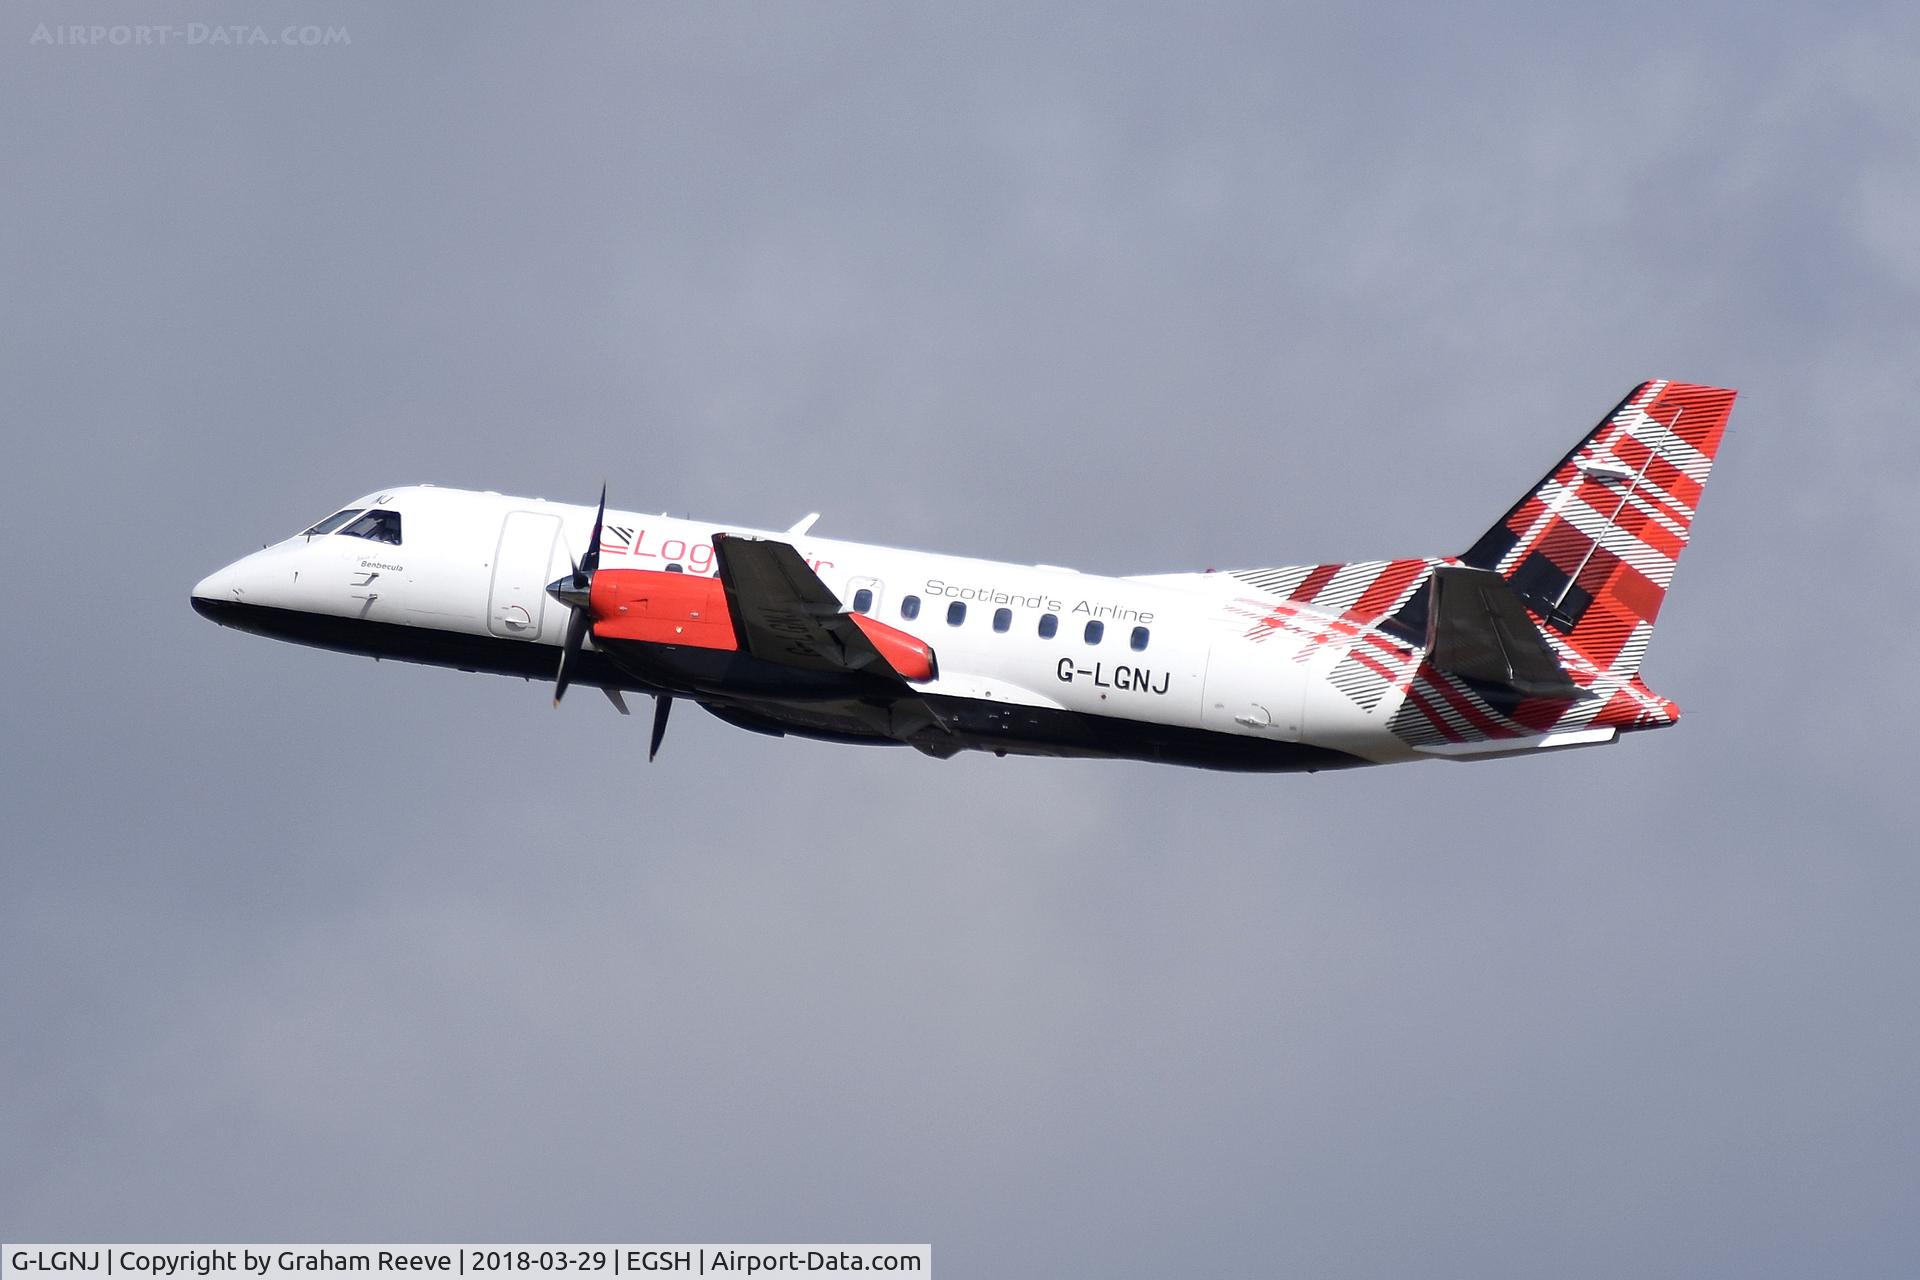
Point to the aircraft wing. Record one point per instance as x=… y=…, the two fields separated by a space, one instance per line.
x=783 y=613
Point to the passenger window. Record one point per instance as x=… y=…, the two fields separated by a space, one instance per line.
x=1094 y=631
x=909 y=607
x=862 y=600
x=1049 y=623
x=1139 y=641
x=332 y=522
x=956 y=613
x=1002 y=619
x=376 y=526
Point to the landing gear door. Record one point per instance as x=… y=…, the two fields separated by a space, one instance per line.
x=517 y=602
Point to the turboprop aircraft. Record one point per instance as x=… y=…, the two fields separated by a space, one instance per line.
x=1530 y=640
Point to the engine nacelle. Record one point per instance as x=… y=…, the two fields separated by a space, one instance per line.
x=654 y=607
x=912 y=658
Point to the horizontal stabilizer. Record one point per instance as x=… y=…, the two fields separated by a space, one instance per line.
x=1494 y=748
x=1478 y=629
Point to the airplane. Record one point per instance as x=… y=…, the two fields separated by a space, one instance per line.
x=1529 y=641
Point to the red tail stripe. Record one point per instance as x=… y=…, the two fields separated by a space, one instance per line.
x=1315 y=582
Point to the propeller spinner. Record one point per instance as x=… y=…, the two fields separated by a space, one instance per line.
x=576 y=592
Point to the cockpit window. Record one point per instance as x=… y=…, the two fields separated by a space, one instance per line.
x=332 y=522
x=376 y=526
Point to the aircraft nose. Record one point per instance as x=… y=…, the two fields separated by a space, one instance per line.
x=217 y=595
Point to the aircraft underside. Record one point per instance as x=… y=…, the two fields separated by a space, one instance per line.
x=741 y=690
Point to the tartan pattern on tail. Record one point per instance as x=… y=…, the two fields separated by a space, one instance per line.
x=1592 y=549
x=1432 y=707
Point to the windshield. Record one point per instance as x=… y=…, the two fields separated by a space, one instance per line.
x=332 y=522
x=376 y=526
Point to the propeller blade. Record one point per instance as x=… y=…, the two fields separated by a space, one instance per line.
x=591 y=561
x=576 y=636
x=662 y=705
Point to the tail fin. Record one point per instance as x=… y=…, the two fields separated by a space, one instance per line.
x=1591 y=550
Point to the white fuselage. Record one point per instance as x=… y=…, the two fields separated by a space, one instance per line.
x=1532 y=639
x=467 y=585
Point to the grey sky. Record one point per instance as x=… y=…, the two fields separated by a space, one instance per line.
x=294 y=945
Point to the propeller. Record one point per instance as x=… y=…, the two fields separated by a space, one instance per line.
x=662 y=705
x=576 y=592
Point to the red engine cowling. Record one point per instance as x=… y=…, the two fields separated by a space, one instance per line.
x=661 y=608
x=912 y=658
x=655 y=607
